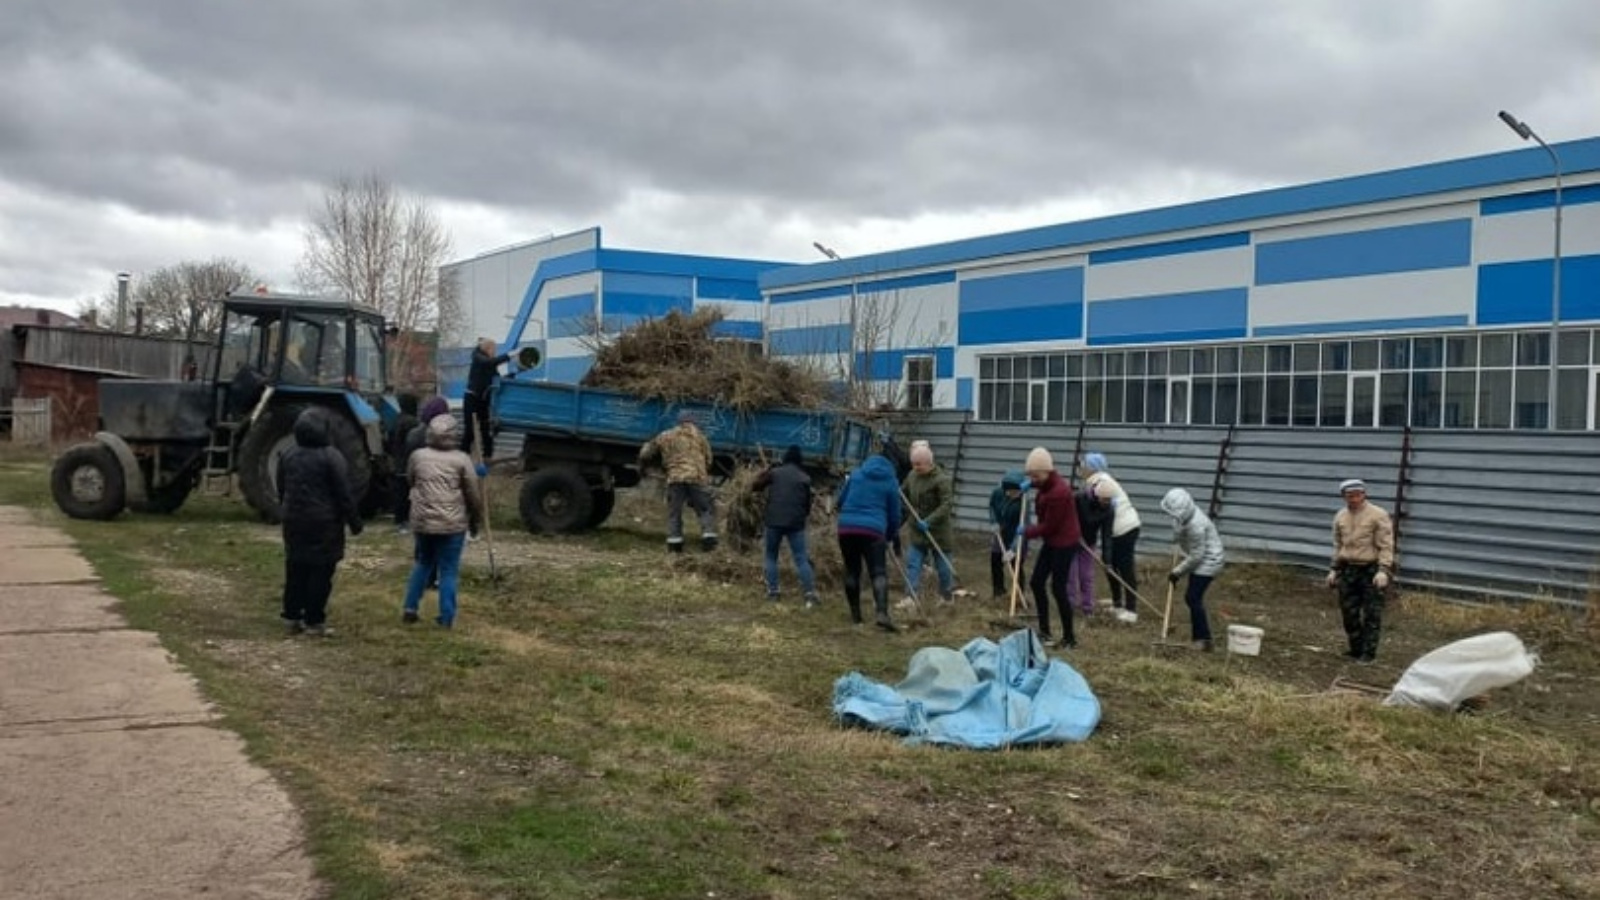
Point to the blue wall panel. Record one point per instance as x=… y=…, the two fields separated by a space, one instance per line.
x=570 y=315
x=964 y=393
x=1193 y=315
x=1515 y=293
x=1497 y=206
x=1045 y=305
x=1170 y=248
x=809 y=340
x=889 y=365
x=728 y=289
x=643 y=306
x=750 y=331
x=568 y=369
x=1403 y=248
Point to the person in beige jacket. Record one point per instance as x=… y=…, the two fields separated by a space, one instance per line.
x=446 y=506
x=1363 y=563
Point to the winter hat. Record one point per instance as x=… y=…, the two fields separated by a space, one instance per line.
x=443 y=432
x=1014 y=480
x=1352 y=484
x=436 y=406
x=1095 y=462
x=921 y=452
x=1039 y=460
x=793 y=455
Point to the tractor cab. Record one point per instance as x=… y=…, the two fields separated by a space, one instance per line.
x=299 y=346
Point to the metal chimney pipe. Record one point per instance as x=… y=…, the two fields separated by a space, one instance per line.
x=122 y=301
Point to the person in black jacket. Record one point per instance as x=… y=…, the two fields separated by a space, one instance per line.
x=475 y=403
x=1094 y=517
x=316 y=506
x=1005 y=519
x=788 y=490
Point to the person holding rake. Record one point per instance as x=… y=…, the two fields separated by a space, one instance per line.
x=1057 y=529
x=1200 y=556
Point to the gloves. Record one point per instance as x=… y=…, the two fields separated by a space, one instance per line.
x=482 y=470
x=922 y=526
x=1173 y=576
x=1380 y=580
x=1009 y=555
x=1333 y=578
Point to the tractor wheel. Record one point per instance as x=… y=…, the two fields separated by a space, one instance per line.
x=271 y=436
x=87 y=483
x=604 y=502
x=556 y=501
x=166 y=499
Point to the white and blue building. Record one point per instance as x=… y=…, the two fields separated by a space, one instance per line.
x=1416 y=297
x=564 y=293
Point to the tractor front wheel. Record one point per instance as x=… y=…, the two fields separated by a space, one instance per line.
x=87 y=483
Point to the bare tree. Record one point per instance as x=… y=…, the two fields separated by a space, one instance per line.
x=182 y=301
x=881 y=322
x=380 y=248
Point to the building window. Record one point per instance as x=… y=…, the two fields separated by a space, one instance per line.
x=919 y=382
x=1492 y=380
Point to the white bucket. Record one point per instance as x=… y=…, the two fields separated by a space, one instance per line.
x=1245 y=640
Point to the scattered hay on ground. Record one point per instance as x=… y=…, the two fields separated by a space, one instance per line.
x=678 y=357
x=743 y=510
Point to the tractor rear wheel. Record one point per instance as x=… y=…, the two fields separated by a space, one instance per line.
x=273 y=434
x=87 y=483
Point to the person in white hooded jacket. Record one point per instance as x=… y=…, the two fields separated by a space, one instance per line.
x=1121 y=539
x=1199 y=552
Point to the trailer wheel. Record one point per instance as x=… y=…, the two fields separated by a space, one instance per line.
x=272 y=435
x=604 y=501
x=87 y=483
x=556 y=501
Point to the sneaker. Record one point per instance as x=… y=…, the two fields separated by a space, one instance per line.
x=812 y=602
x=1202 y=646
x=1127 y=617
x=947 y=599
x=1366 y=659
x=773 y=596
x=885 y=623
x=294 y=626
x=442 y=623
x=906 y=602
x=708 y=543
x=675 y=546
x=408 y=618
x=318 y=631
x=402 y=529
x=1067 y=643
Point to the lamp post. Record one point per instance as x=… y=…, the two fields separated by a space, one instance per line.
x=1526 y=133
x=851 y=363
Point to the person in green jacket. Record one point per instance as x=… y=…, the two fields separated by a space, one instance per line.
x=930 y=500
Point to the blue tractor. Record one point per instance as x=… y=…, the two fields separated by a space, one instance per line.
x=276 y=355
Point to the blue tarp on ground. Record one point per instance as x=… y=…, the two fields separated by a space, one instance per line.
x=985 y=696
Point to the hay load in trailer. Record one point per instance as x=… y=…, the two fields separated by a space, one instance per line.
x=679 y=357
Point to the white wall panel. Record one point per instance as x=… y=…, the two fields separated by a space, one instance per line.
x=1229 y=268
x=1531 y=235
x=1405 y=295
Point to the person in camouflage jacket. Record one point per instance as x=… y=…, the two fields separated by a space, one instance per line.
x=686 y=455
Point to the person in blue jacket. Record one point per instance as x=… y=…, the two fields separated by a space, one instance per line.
x=1005 y=518
x=869 y=517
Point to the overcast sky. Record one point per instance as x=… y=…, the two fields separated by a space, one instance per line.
x=140 y=134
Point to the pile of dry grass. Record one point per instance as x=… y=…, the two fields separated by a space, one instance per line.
x=743 y=513
x=676 y=358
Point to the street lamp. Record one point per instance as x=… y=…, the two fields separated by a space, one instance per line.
x=1526 y=133
x=851 y=364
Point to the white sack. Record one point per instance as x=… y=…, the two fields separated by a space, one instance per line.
x=1455 y=672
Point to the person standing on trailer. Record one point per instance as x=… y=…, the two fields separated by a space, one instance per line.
x=481 y=376
x=1199 y=556
x=1363 y=564
x=1121 y=540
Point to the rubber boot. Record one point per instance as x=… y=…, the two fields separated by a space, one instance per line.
x=708 y=542
x=880 y=602
x=855 y=609
x=675 y=546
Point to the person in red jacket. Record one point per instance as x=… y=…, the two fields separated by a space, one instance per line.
x=1057 y=529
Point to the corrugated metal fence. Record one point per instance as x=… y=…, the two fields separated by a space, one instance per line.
x=1506 y=513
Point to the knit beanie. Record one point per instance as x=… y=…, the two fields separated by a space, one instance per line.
x=435 y=406
x=1352 y=484
x=1039 y=460
x=1095 y=462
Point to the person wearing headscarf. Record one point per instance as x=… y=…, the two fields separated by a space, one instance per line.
x=1056 y=528
x=446 y=506
x=1121 y=540
x=316 y=505
x=788 y=490
x=686 y=455
x=1363 y=564
x=1199 y=550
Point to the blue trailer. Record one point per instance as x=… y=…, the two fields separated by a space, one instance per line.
x=581 y=444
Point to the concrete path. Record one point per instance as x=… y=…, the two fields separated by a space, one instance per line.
x=114 y=780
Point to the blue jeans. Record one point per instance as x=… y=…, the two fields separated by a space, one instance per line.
x=941 y=565
x=441 y=551
x=797 y=549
